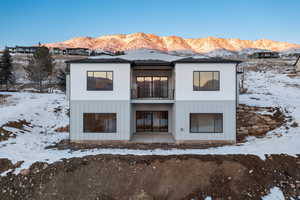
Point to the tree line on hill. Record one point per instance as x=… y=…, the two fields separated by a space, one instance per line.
x=40 y=69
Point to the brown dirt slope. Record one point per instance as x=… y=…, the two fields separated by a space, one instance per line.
x=155 y=177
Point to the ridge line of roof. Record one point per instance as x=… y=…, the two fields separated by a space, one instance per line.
x=153 y=61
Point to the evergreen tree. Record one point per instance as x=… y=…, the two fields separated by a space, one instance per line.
x=6 y=69
x=40 y=66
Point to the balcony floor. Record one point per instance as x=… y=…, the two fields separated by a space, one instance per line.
x=152 y=138
x=152 y=101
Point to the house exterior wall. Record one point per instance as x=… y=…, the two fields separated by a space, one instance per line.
x=68 y=86
x=84 y=101
x=121 y=81
x=298 y=66
x=185 y=108
x=184 y=82
x=188 y=101
x=121 y=108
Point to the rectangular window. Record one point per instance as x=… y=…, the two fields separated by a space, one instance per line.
x=99 y=122
x=206 y=81
x=99 y=80
x=206 y=122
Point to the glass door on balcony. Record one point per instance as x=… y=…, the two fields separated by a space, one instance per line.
x=151 y=121
x=152 y=86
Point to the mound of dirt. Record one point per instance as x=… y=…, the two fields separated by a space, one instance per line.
x=251 y=121
x=5 y=134
x=3 y=98
x=5 y=165
x=155 y=177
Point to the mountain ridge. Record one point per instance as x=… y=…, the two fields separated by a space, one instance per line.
x=123 y=42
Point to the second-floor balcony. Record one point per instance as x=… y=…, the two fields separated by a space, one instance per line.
x=152 y=85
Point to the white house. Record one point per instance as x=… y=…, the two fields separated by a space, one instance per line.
x=185 y=100
x=297 y=65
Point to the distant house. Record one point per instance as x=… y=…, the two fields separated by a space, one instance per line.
x=297 y=65
x=265 y=54
x=23 y=49
x=294 y=55
x=78 y=51
x=26 y=49
x=11 y=49
x=56 y=51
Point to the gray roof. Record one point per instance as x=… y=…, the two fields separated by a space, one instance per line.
x=206 y=60
x=99 y=60
x=153 y=62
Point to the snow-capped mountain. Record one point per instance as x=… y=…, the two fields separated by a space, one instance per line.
x=123 y=42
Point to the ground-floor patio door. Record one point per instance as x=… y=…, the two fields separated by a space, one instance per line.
x=151 y=121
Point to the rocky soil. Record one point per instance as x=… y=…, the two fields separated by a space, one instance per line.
x=257 y=121
x=6 y=134
x=3 y=98
x=155 y=177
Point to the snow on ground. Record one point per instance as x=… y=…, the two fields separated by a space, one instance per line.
x=275 y=194
x=267 y=89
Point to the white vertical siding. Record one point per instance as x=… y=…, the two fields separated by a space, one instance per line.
x=298 y=66
x=68 y=86
x=185 y=108
x=184 y=81
x=121 y=108
x=121 y=81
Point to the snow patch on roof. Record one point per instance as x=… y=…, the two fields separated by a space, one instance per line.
x=143 y=54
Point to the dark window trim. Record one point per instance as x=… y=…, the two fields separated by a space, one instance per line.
x=103 y=114
x=218 y=89
x=112 y=77
x=214 y=122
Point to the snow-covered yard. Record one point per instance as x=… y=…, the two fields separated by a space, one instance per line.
x=265 y=89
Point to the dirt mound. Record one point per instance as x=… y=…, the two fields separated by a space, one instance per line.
x=3 y=98
x=62 y=129
x=257 y=121
x=155 y=177
x=5 y=134
x=5 y=165
x=68 y=145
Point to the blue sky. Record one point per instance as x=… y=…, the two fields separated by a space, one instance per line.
x=27 y=22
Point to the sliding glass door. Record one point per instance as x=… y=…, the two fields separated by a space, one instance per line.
x=152 y=121
x=152 y=86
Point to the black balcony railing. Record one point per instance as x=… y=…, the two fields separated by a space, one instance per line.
x=152 y=94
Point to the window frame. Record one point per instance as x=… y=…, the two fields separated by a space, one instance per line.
x=112 y=78
x=218 y=88
x=83 y=127
x=152 y=88
x=222 y=127
x=160 y=130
